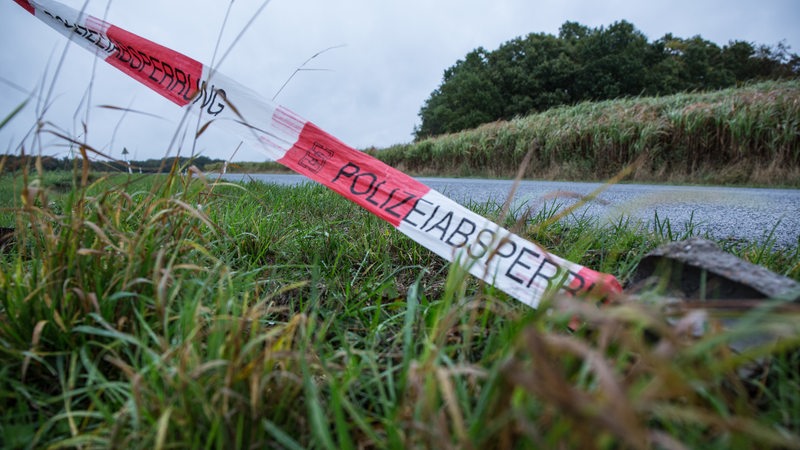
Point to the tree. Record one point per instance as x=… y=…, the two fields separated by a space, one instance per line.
x=539 y=71
x=737 y=57
x=611 y=62
x=775 y=62
x=466 y=98
x=532 y=74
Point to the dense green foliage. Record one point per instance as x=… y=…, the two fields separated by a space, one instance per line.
x=746 y=135
x=159 y=312
x=539 y=71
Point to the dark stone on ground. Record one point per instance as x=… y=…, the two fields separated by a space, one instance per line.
x=696 y=269
x=700 y=275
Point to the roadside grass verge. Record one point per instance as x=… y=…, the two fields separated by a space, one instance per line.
x=150 y=311
x=145 y=311
x=745 y=135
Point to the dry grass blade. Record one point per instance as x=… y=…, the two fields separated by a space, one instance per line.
x=163 y=427
x=621 y=175
x=517 y=179
x=769 y=436
x=605 y=408
x=37 y=335
x=301 y=68
x=130 y=110
x=10 y=116
x=451 y=403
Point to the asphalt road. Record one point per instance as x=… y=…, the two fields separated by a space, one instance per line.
x=740 y=214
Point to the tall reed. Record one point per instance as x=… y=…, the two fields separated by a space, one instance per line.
x=745 y=135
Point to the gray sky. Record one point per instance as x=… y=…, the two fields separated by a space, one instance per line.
x=394 y=55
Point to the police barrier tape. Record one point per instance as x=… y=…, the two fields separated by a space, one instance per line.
x=512 y=264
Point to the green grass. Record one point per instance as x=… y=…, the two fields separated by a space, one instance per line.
x=172 y=312
x=745 y=135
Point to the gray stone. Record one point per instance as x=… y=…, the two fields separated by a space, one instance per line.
x=696 y=269
x=696 y=275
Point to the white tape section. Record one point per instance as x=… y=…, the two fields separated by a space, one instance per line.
x=510 y=263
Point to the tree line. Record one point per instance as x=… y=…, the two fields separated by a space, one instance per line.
x=13 y=163
x=539 y=71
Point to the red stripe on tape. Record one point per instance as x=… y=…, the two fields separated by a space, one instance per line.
x=384 y=191
x=378 y=188
x=600 y=284
x=171 y=74
x=25 y=4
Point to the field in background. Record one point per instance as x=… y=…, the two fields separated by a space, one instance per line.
x=748 y=135
x=152 y=311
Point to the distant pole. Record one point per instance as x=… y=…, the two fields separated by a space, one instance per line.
x=125 y=158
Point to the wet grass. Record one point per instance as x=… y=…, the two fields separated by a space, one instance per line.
x=174 y=312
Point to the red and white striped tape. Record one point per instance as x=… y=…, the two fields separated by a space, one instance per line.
x=509 y=262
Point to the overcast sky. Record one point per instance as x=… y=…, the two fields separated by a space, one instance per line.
x=393 y=55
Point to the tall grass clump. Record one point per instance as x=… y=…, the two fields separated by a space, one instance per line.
x=121 y=327
x=174 y=311
x=745 y=135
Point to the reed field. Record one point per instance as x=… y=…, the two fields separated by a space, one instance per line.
x=173 y=311
x=746 y=135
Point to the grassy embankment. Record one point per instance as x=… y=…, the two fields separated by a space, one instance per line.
x=748 y=135
x=159 y=312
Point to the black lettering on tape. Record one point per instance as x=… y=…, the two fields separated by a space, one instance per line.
x=91 y=37
x=219 y=106
x=388 y=199
x=145 y=60
x=503 y=244
x=571 y=287
x=137 y=62
x=412 y=210
x=353 y=169
x=187 y=94
x=109 y=48
x=80 y=30
x=391 y=209
x=433 y=214
x=375 y=191
x=540 y=273
x=180 y=80
x=168 y=73
x=122 y=55
x=459 y=231
x=372 y=180
x=443 y=224
x=510 y=273
x=484 y=246
x=156 y=64
x=202 y=94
